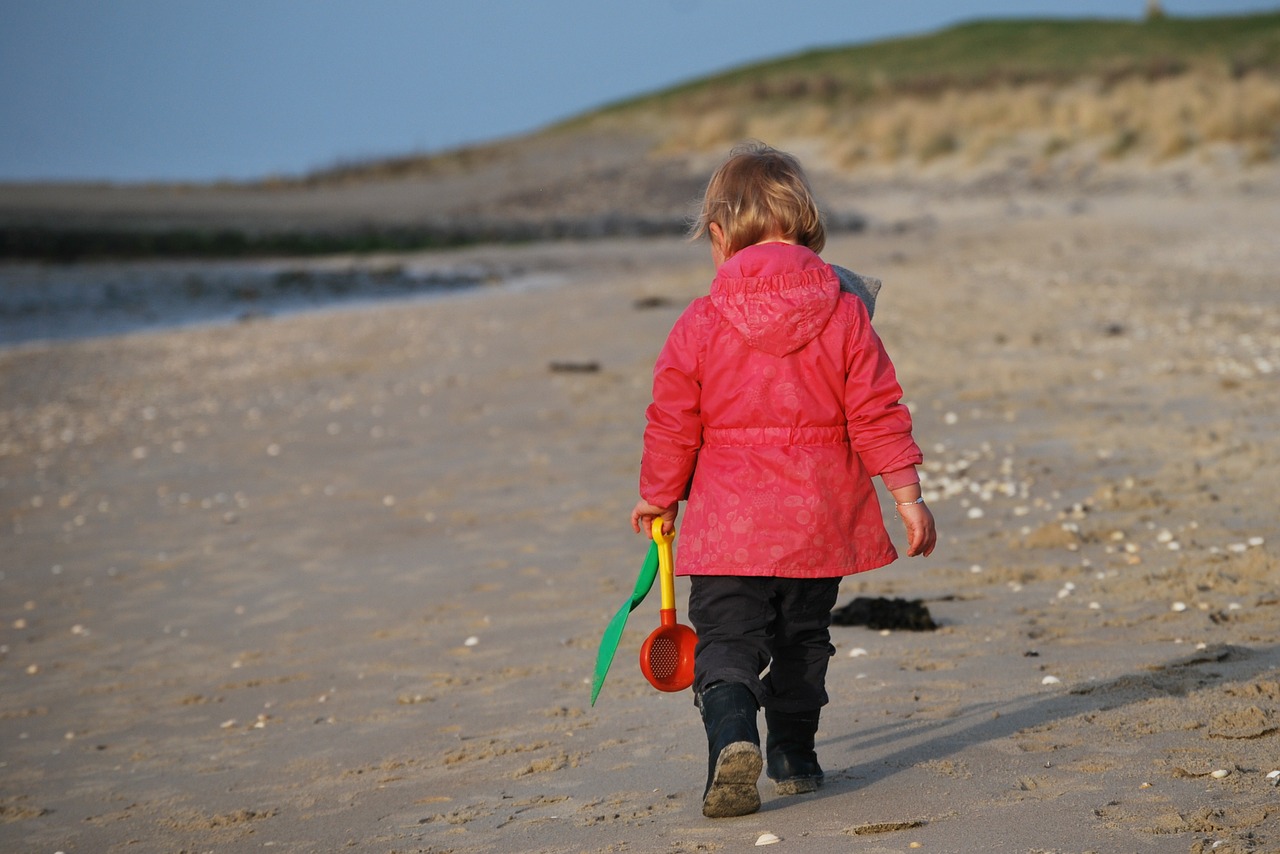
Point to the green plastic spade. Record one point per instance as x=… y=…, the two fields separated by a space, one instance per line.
x=613 y=633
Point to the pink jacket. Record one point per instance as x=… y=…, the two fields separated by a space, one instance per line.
x=774 y=403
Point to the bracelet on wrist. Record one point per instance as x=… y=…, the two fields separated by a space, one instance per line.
x=919 y=500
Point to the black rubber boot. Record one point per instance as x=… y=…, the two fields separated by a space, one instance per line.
x=733 y=750
x=793 y=763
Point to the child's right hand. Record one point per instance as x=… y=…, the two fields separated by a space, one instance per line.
x=644 y=513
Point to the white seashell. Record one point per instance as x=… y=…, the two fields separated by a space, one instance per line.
x=1051 y=680
x=471 y=641
x=1256 y=541
x=768 y=839
x=1220 y=773
x=857 y=652
x=1179 y=606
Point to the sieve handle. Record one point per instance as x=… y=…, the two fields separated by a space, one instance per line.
x=666 y=575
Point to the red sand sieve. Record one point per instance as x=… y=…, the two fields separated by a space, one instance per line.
x=666 y=657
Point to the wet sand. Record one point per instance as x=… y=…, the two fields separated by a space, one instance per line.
x=335 y=581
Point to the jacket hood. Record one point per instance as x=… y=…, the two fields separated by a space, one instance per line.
x=778 y=295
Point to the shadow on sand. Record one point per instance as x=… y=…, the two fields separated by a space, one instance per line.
x=915 y=741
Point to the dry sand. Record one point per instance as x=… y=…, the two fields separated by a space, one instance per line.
x=335 y=581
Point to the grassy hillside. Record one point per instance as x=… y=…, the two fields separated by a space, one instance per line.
x=990 y=53
x=1031 y=89
x=1161 y=87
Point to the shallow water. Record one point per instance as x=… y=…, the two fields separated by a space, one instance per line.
x=47 y=302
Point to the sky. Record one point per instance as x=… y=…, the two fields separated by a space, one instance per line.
x=202 y=90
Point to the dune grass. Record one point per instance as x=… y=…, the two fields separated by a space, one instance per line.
x=1159 y=88
x=984 y=54
x=1111 y=89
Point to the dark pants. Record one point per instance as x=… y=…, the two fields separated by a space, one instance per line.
x=747 y=623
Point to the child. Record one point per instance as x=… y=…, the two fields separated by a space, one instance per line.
x=774 y=403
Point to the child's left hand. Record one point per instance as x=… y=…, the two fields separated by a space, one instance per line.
x=644 y=513
x=922 y=535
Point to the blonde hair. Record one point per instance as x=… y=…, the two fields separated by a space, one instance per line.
x=758 y=193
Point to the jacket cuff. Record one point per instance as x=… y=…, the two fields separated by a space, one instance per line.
x=902 y=477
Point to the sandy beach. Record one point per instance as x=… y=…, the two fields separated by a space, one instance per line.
x=334 y=581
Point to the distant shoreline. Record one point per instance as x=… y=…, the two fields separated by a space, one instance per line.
x=41 y=304
x=42 y=243
x=75 y=244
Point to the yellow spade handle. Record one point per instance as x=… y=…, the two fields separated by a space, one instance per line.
x=666 y=575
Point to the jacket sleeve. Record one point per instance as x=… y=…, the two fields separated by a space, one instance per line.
x=879 y=423
x=673 y=433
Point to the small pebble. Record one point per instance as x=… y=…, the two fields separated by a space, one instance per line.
x=857 y=652
x=1220 y=773
x=1179 y=606
x=471 y=641
x=767 y=839
x=1274 y=777
x=1051 y=680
